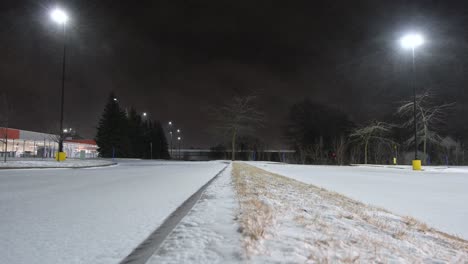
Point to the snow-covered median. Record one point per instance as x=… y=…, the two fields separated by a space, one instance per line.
x=49 y=163
x=436 y=196
x=208 y=234
x=284 y=220
x=257 y=216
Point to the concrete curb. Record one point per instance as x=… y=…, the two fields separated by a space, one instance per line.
x=146 y=249
x=398 y=167
x=52 y=167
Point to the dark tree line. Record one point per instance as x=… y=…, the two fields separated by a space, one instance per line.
x=316 y=132
x=128 y=135
x=324 y=135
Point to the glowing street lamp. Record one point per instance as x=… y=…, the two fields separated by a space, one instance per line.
x=179 y=139
x=60 y=17
x=170 y=132
x=412 y=41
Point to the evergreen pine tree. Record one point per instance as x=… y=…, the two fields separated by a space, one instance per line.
x=137 y=134
x=112 y=135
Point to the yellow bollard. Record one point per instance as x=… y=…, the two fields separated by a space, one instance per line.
x=60 y=156
x=417 y=165
x=394 y=161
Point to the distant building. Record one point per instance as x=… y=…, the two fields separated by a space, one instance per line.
x=23 y=143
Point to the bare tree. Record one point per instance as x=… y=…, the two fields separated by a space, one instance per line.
x=428 y=117
x=238 y=116
x=340 y=145
x=376 y=131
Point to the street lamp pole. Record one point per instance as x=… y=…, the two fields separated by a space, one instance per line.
x=179 y=138
x=413 y=83
x=148 y=126
x=179 y=156
x=62 y=101
x=413 y=41
x=60 y=17
x=170 y=132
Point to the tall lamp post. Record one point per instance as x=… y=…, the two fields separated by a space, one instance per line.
x=60 y=17
x=145 y=117
x=170 y=132
x=412 y=41
x=178 y=138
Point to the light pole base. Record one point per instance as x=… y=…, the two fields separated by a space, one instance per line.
x=417 y=165
x=60 y=156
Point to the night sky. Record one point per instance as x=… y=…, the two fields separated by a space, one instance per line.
x=175 y=59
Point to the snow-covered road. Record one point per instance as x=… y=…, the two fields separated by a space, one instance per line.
x=91 y=215
x=437 y=196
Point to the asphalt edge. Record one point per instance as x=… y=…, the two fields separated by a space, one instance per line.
x=151 y=244
x=51 y=167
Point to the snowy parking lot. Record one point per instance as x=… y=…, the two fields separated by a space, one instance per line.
x=96 y=215
x=436 y=196
x=100 y=215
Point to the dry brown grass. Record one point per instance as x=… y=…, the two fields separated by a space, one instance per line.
x=254 y=225
x=332 y=222
x=400 y=234
x=255 y=215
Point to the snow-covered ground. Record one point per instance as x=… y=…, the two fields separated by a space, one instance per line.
x=254 y=216
x=50 y=163
x=437 y=196
x=96 y=215
x=209 y=233
x=287 y=221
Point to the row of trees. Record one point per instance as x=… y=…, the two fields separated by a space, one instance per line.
x=127 y=135
x=321 y=134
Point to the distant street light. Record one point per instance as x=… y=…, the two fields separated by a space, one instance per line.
x=60 y=17
x=145 y=116
x=179 y=139
x=412 y=41
x=170 y=132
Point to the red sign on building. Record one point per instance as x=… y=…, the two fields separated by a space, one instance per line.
x=11 y=133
